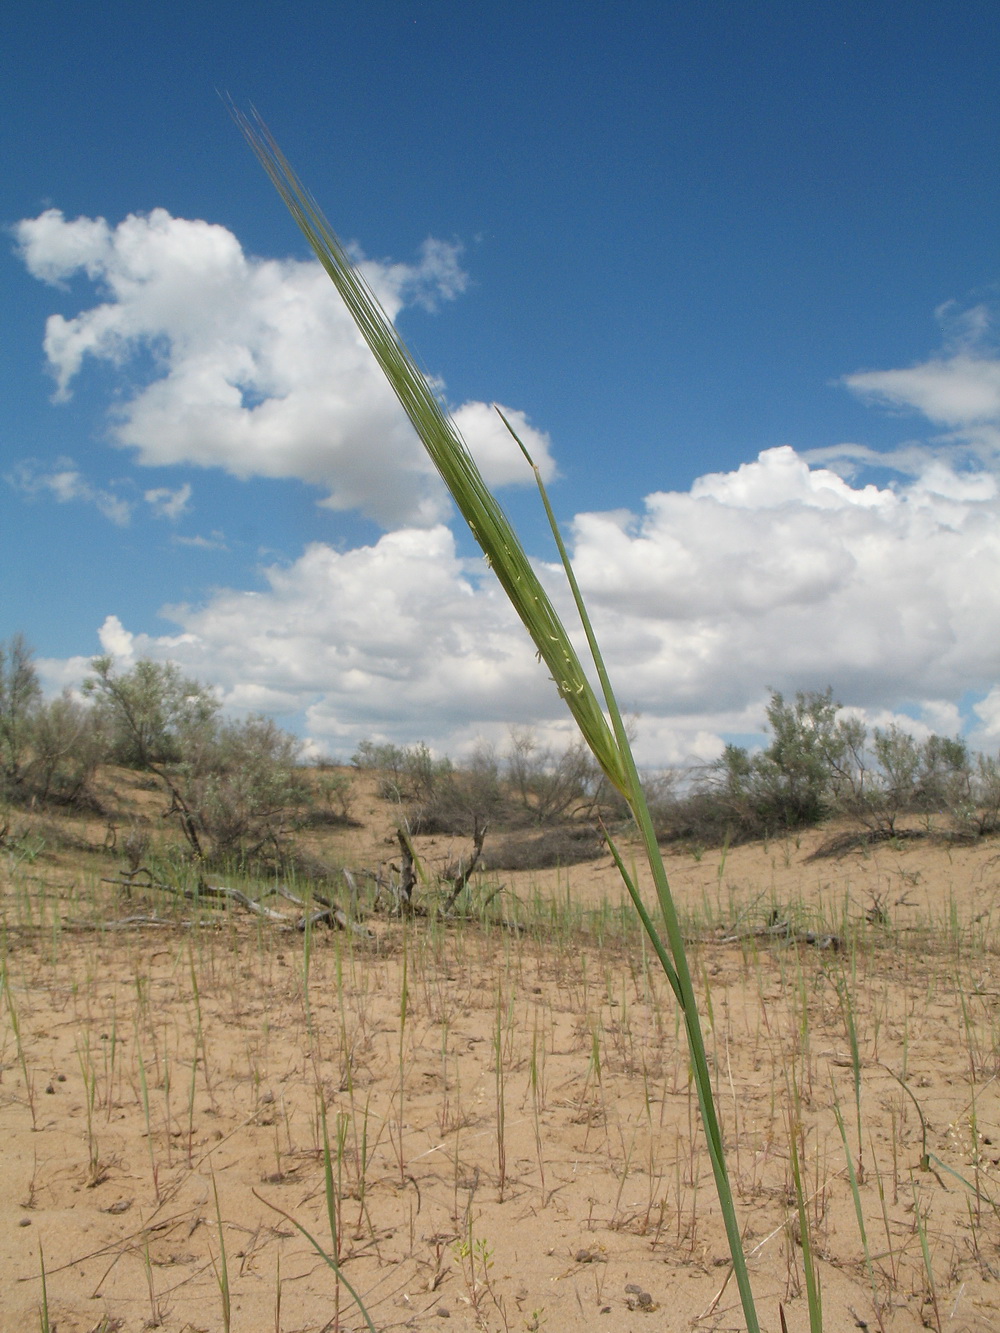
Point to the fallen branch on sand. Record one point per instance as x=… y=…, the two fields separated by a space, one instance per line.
x=783 y=930
x=329 y=912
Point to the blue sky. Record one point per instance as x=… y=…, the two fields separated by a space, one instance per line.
x=735 y=264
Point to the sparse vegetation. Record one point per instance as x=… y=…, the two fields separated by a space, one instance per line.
x=49 y=751
x=533 y=1109
x=239 y=794
x=235 y=789
x=822 y=764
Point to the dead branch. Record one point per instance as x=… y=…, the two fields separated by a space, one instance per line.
x=122 y=923
x=783 y=930
x=407 y=874
x=329 y=914
x=458 y=876
x=222 y=891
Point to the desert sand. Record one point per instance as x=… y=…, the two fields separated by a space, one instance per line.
x=514 y=1141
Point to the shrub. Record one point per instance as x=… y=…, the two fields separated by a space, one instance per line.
x=976 y=811
x=234 y=787
x=48 y=751
x=894 y=774
x=68 y=743
x=462 y=801
x=20 y=695
x=407 y=773
x=550 y=785
x=530 y=785
x=790 y=784
x=244 y=789
x=334 y=791
x=154 y=714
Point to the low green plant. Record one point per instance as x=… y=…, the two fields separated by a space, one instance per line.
x=221 y=1268
x=22 y=1059
x=44 y=1322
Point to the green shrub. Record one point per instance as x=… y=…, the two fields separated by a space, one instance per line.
x=235 y=788
x=819 y=764
x=20 y=695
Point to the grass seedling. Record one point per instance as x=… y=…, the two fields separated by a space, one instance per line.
x=920 y=1221
x=328 y=1259
x=332 y=1192
x=404 y=1005
x=858 y=1211
x=501 y=1098
x=222 y=1268
x=144 y=1093
x=192 y=1088
x=22 y=1059
x=813 y=1296
x=277 y=1294
x=306 y=969
x=535 y=1075
x=44 y=1323
x=847 y=1009
x=199 y=1045
x=90 y=1096
x=155 y=1311
x=166 y=1083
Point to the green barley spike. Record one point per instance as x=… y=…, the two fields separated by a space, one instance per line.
x=494 y=533
x=450 y=455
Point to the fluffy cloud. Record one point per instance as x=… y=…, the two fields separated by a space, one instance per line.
x=65 y=483
x=774 y=575
x=401 y=638
x=258 y=369
x=960 y=391
x=783 y=573
x=778 y=575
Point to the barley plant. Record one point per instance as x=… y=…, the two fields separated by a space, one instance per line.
x=600 y=723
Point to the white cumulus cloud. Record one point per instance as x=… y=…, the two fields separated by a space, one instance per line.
x=775 y=575
x=783 y=573
x=258 y=368
x=886 y=594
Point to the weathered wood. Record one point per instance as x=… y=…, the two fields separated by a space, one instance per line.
x=782 y=930
x=458 y=876
x=328 y=914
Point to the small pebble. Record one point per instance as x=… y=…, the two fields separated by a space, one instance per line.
x=443 y=1312
x=24 y=1222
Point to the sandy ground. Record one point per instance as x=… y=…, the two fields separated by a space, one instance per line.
x=514 y=1140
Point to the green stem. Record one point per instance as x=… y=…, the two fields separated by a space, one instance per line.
x=679 y=975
